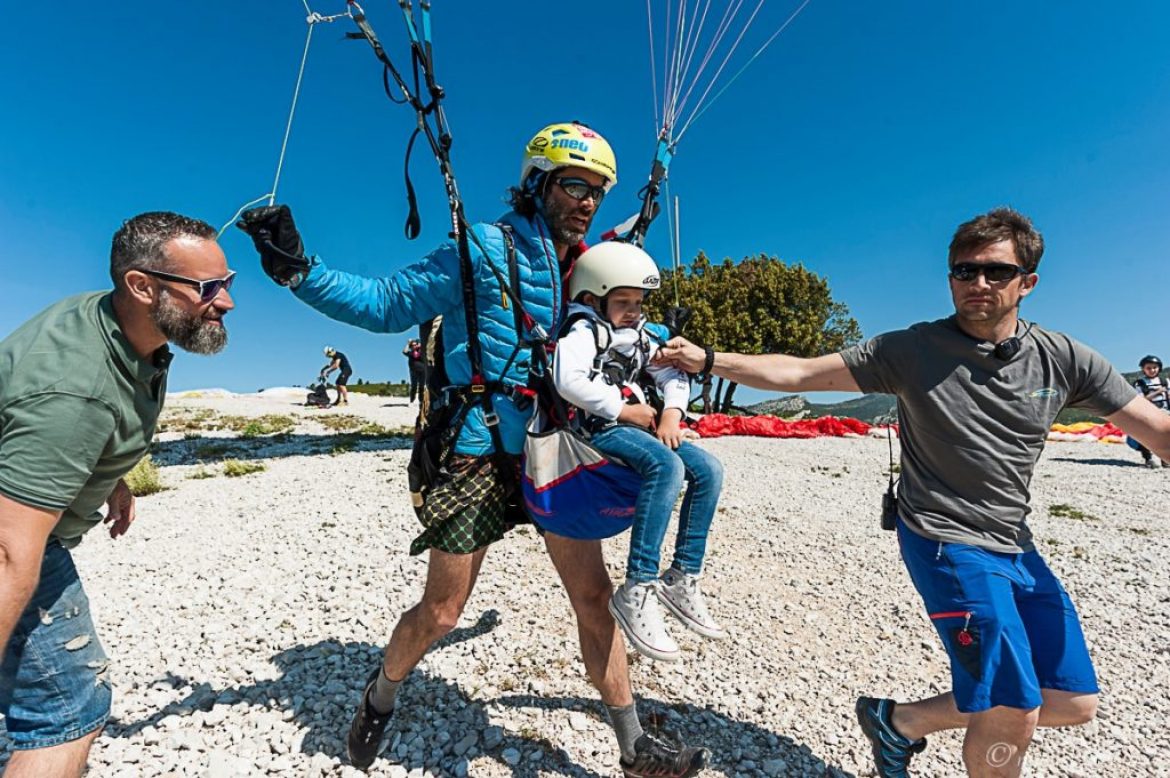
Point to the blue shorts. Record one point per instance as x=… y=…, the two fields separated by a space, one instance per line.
x=53 y=687
x=1008 y=625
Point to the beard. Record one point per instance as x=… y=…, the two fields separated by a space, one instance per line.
x=557 y=216
x=189 y=331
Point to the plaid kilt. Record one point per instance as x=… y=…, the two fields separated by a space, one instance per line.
x=473 y=505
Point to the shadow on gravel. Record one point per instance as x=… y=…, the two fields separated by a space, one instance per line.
x=1099 y=462
x=208 y=451
x=706 y=727
x=432 y=708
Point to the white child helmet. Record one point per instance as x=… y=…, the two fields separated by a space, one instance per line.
x=330 y=351
x=610 y=265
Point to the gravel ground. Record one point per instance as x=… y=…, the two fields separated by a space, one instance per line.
x=242 y=615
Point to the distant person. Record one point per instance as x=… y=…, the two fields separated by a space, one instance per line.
x=601 y=363
x=474 y=500
x=1155 y=388
x=417 y=365
x=81 y=387
x=340 y=363
x=977 y=393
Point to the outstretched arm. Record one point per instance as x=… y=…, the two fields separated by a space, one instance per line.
x=415 y=294
x=775 y=372
x=1147 y=423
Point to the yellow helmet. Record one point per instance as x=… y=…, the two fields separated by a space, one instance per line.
x=569 y=145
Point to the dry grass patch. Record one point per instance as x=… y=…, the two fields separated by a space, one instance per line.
x=188 y=420
x=234 y=468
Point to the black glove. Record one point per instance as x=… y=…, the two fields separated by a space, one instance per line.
x=282 y=254
x=676 y=319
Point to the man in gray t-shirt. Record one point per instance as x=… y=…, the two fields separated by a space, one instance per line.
x=977 y=393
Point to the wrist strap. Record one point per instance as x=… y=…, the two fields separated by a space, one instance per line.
x=709 y=362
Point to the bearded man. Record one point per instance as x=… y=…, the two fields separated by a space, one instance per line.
x=81 y=387
x=565 y=172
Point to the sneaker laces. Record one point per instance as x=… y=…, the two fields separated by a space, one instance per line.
x=658 y=750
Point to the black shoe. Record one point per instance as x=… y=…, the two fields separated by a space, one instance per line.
x=891 y=750
x=365 y=733
x=661 y=757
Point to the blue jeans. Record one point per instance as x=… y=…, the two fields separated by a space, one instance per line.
x=663 y=472
x=53 y=687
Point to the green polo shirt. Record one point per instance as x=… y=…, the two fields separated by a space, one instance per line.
x=78 y=408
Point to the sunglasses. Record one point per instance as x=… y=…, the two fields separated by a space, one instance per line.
x=208 y=289
x=994 y=272
x=579 y=189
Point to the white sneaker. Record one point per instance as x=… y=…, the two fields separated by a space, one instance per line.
x=681 y=595
x=1153 y=463
x=635 y=607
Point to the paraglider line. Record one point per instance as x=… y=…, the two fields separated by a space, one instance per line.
x=703 y=109
x=292 y=109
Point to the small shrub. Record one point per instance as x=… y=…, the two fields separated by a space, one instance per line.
x=201 y=473
x=234 y=468
x=144 y=478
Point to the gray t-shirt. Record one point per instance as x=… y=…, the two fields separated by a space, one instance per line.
x=972 y=425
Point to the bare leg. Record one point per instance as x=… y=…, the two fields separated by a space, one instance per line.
x=450 y=579
x=582 y=570
x=918 y=719
x=996 y=739
x=64 y=761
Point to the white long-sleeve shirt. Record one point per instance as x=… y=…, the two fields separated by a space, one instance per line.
x=581 y=385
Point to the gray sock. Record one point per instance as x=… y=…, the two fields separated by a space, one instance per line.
x=627 y=727
x=384 y=691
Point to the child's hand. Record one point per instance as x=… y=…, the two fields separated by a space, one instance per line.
x=640 y=415
x=668 y=429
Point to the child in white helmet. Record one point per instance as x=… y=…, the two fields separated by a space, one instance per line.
x=602 y=367
x=1155 y=388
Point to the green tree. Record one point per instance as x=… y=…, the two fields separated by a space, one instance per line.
x=759 y=305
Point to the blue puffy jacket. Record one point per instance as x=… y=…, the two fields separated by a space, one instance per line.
x=419 y=292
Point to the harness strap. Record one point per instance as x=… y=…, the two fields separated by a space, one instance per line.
x=490 y=418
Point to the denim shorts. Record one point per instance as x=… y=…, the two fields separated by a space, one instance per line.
x=1006 y=622
x=53 y=686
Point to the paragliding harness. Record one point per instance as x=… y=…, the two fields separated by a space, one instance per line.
x=1145 y=385
x=617 y=369
x=318 y=396
x=445 y=406
x=570 y=487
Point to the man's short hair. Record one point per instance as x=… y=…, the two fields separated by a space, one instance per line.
x=997 y=225
x=138 y=245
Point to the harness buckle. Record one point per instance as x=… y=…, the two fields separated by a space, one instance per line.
x=478 y=388
x=491 y=418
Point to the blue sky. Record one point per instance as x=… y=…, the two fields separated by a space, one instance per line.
x=855 y=145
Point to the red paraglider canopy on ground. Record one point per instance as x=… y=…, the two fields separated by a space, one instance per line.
x=715 y=425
